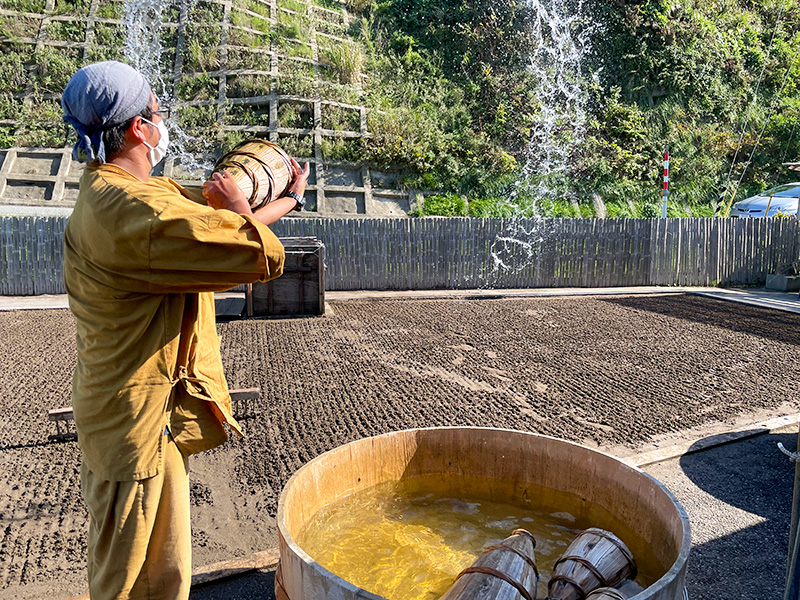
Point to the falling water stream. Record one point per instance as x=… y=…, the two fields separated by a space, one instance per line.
x=562 y=31
x=143 y=49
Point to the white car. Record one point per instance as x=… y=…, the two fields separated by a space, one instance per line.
x=778 y=201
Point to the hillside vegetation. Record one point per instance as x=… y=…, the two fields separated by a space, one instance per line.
x=452 y=102
x=661 y=72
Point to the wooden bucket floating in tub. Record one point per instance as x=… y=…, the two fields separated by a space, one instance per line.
x=261 y=169
x=519 y=468
x=595 y=558
x=506 y=571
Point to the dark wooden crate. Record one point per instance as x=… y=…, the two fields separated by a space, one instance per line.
x=300 y=291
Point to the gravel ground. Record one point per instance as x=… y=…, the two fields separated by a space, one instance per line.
x=620 y=373
x=739 y=500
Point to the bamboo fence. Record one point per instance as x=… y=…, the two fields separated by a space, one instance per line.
x=466 y=253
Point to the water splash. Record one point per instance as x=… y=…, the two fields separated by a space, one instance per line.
x=513 y=249
x=144 y=21
x=562 y=33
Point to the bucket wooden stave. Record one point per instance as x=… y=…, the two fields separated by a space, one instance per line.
x=261 y=169
x=595 y=558
x=506 y=571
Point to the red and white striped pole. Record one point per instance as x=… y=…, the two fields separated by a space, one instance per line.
x=665 y=190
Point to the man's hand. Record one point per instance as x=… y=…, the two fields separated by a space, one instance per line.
x=299 y=178
x=279 y=207
x=221 y=191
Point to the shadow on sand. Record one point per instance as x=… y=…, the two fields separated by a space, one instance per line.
x=256 y=585
x=741 y=318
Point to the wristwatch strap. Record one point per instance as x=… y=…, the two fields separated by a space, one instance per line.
x=301 y=201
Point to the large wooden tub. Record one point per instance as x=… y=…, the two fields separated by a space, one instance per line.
x=523 y=466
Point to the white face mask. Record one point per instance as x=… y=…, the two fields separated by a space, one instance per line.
x=158 y=151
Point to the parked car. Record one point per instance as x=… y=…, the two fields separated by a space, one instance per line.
x=781 y=200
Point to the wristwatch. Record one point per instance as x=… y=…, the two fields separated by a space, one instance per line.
x=301 y=201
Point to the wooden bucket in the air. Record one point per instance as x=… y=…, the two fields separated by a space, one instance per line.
x=516 y=467
x=595 y=558
x=261 y=169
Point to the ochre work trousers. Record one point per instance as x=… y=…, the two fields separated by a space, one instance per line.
x=140 y=542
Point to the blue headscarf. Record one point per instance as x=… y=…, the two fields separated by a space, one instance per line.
x=98 y=97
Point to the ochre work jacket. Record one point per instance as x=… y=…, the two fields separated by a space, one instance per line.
x=141 y=262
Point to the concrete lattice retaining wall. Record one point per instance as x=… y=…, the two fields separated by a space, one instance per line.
x=464 y=253
x=233 y=70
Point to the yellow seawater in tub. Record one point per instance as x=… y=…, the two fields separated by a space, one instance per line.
x=408 y=540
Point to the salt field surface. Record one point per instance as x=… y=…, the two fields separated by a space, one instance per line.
x=620 y=373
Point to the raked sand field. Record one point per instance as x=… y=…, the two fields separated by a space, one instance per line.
x=622 y=373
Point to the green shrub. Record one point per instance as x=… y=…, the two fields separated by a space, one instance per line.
x=15 y=27
x=109 y=10
x=198 y=87
x=299 y=49
x=202 y=47
x=262 y=8
x=241 y=37
x=10 y=108
x=296 y=86
x=298 y=146
x=492 y=207
x=343 y=149
x=335 y=92
x=651 y=210
x=7 y=136
x=340 y=118
x=292 y=26
x=247 y=59
x=347 y=60
x=13 y=74
x=197 y=117
x=447 y=205
x=78 y=8
x=247 y=114
x=246 y=86
x=41 y=125
x=35 y=6
x=54 y=67
x=330 y=4
x=294 y=5
x=102 y=52
x=297 y=115
x=231 y=139
x=70 y=31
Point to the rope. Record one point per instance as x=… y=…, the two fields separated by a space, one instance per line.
x=500 y=575
x=589 y=566
x=525 y=532
x=771 y=112
x=524 y=557
x=722 y=195
x=793 y=456
x=578 y=589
